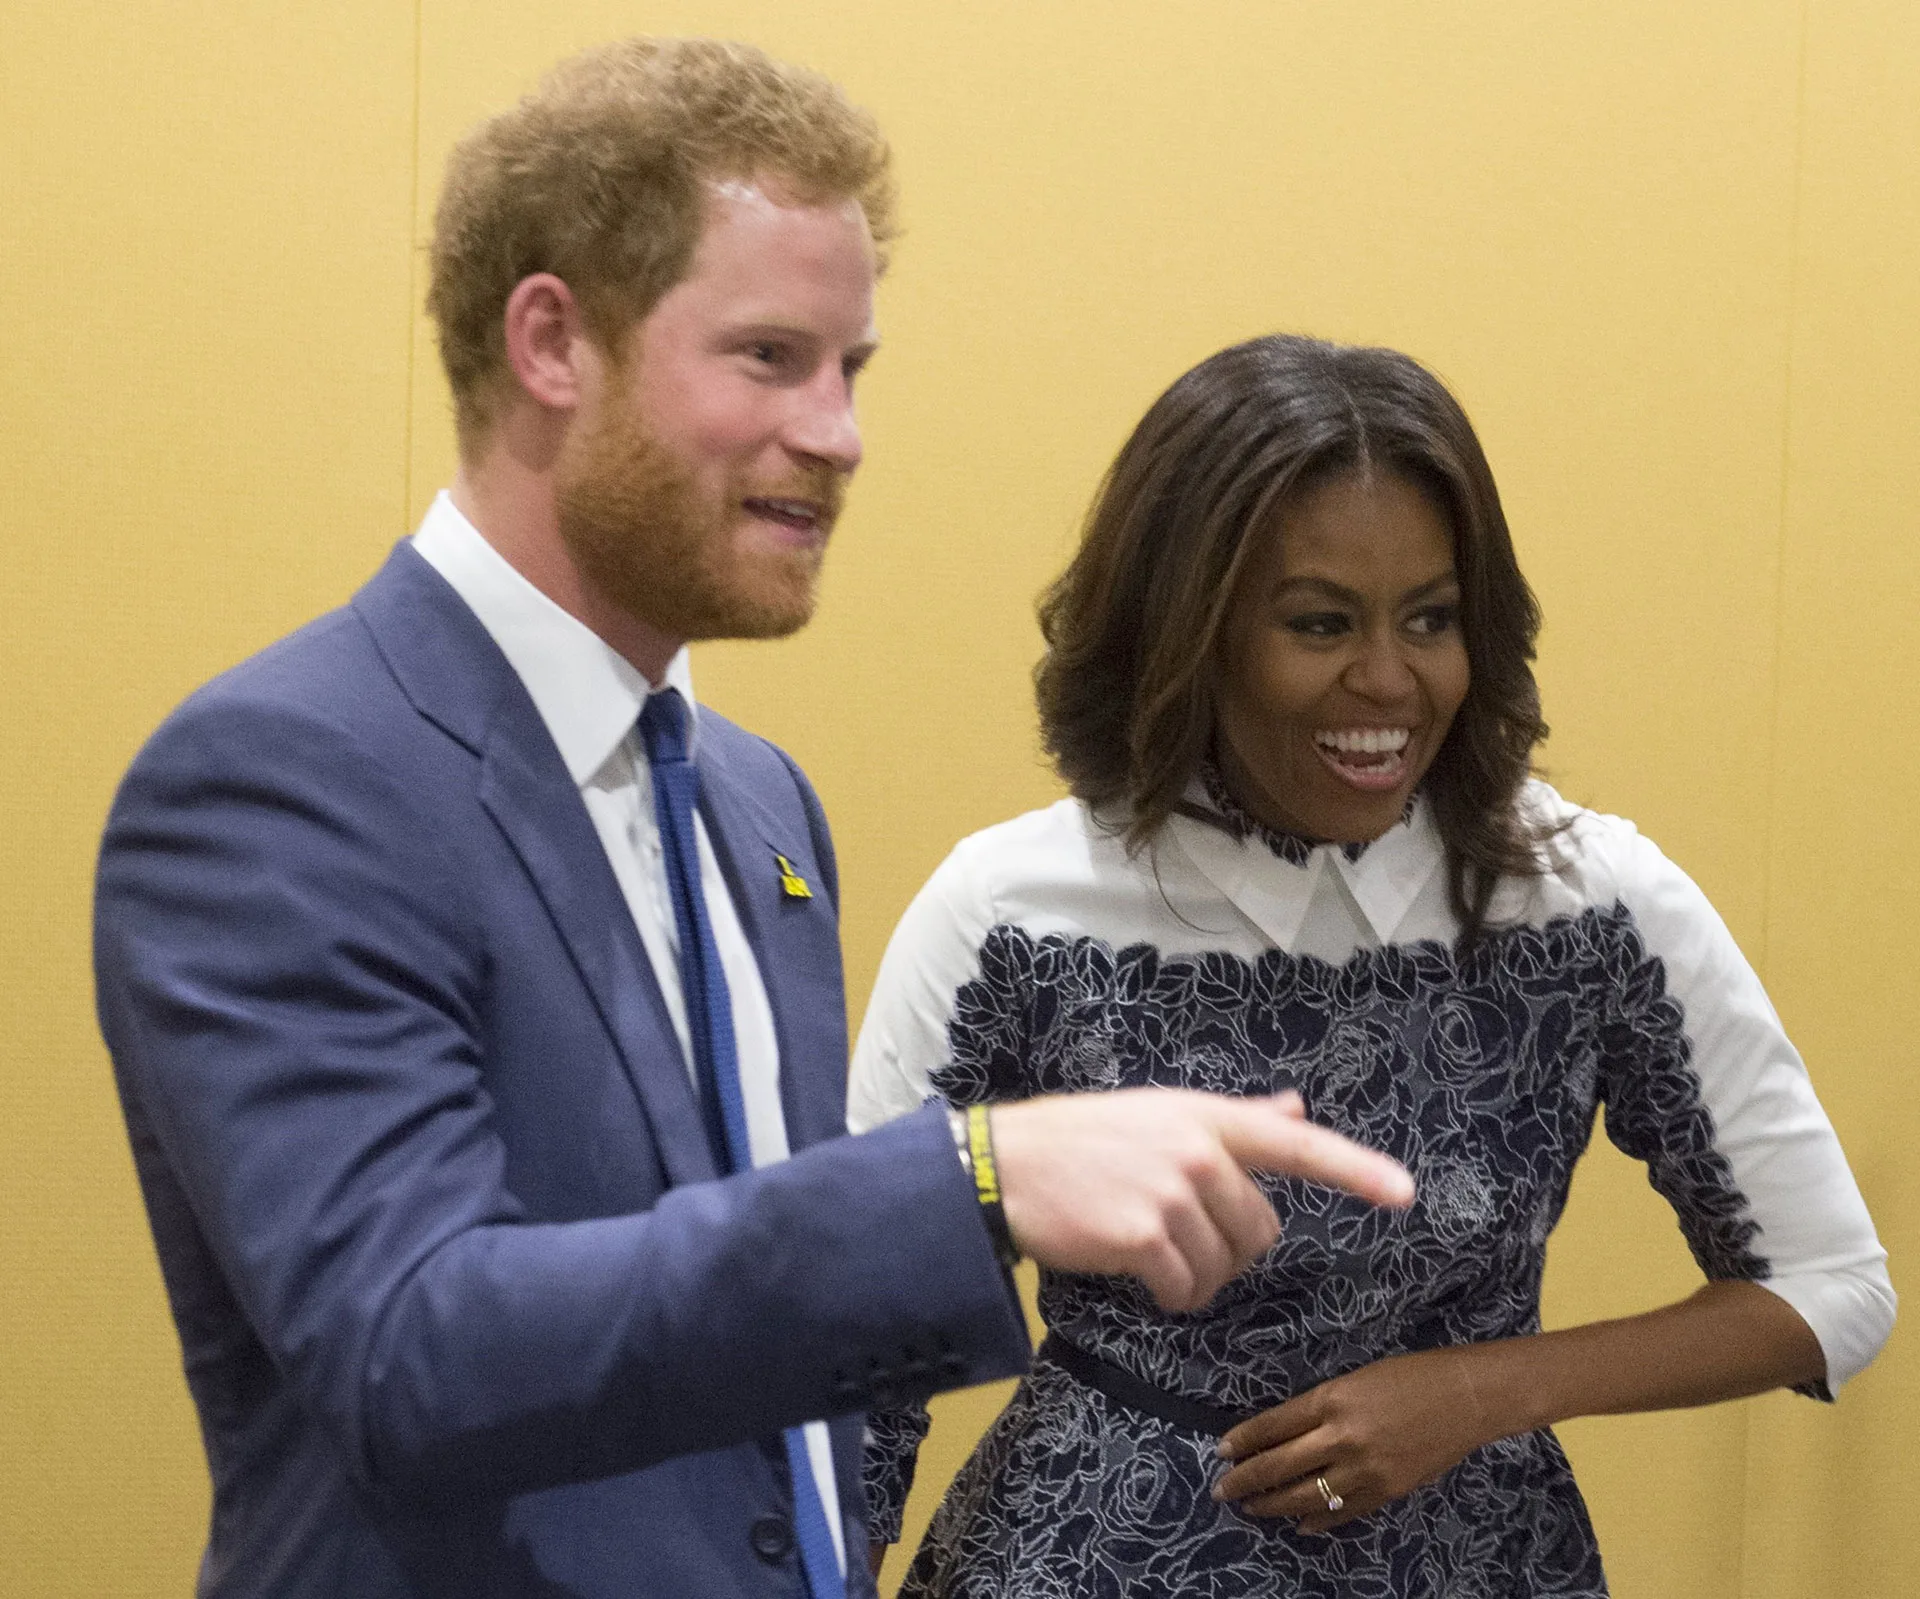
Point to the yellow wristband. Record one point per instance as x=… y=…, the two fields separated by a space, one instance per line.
x=986 y=1184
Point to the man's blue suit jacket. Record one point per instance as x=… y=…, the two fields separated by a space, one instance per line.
x=463 y=1306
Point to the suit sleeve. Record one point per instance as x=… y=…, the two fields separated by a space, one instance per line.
x=903 y=1042
x=291 y=981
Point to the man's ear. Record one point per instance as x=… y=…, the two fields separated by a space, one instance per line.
x=547 y=340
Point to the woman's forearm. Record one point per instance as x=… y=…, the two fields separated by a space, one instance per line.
x=1355 y=1442
x=1725 y=1341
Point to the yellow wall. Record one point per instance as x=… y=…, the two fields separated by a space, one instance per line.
x=1669 y=255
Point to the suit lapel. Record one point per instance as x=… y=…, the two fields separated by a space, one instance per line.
x=554 y=838
x=788 y=945
x=456 y=677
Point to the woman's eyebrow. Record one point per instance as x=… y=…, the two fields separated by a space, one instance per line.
x=1347 y=596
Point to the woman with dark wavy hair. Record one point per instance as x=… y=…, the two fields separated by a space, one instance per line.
x=1288 y=684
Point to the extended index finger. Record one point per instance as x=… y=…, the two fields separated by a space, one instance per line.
x=1267 y=1139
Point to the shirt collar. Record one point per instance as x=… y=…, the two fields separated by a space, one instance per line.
x=587 y=693
x=1272 y=877
x=1396 y=867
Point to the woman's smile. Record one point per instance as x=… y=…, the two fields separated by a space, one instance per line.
x=1373 y=759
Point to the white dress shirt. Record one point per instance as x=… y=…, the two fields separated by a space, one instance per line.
x=590 y=698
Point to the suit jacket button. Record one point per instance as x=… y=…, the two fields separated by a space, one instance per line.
x=772 y=1538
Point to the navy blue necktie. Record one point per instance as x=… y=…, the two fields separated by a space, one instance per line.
x=716 y=1059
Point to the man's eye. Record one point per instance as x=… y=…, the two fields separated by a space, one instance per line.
x=770 y=355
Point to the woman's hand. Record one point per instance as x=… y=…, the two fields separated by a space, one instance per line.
x=1373 y=1435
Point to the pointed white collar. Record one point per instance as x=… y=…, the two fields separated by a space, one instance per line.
x=1274 y=893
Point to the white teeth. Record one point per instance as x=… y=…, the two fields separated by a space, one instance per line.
x=798 y=508
x=1363 y=740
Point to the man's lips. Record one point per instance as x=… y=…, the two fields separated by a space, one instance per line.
x=802 y=514
x=808 y=517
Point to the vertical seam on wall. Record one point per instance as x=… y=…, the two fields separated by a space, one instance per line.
x=1786 y=459
x=410 y=324
x=1748 y=1507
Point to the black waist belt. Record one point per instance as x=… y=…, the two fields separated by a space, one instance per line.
x=1195 y=1415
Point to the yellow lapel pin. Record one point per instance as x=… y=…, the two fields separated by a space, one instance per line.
x=792 y=884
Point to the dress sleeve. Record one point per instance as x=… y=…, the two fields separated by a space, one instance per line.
x=893 y=1440
x=1702 y=1084
x=934 y=952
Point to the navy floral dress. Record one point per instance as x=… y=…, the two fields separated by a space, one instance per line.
x=1042 y=959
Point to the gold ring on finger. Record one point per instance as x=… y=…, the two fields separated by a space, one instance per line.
x=1334 y=1502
